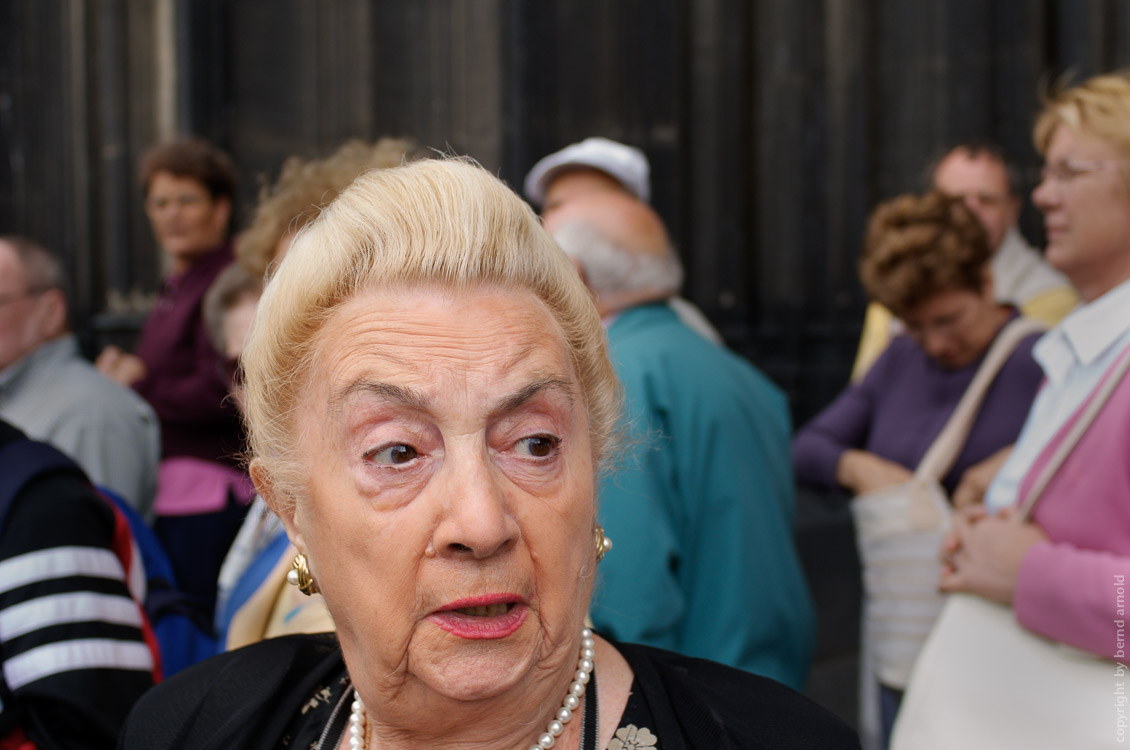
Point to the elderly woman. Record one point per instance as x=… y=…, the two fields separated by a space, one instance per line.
x=429 y=400
x=925 y=258
x=1056 y=568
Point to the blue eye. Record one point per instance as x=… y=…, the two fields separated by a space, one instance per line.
x=538 y=446
x=392 y=455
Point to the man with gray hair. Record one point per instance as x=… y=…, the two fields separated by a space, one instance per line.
x=599 y=165
x=701 y=506
x=50 y=392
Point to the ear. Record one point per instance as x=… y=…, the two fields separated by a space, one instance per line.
x=53 y=318
x=285 y=509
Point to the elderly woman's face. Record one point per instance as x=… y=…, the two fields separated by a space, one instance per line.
x=450 y=501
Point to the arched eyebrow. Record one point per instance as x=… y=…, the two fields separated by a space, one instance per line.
x=397 y=394
x=417 y=401
x=541 y=385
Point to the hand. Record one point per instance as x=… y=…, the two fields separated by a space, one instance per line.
x=983 y=553
x=119 y=366
x=862 y=472
x=977 y=478
x=951 y=542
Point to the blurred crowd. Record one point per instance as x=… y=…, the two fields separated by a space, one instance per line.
x=982 y=440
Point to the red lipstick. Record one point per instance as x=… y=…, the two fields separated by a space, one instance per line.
x=482 y=617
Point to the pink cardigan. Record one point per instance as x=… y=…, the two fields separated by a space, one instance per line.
x=1075 y=587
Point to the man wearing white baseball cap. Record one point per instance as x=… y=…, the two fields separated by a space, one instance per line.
x=592 y=165
x=596 y=165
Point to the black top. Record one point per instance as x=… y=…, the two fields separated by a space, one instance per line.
x=285 y=692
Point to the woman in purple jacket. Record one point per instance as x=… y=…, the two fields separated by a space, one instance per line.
x=189 y=190
x=926 y=259
x=202 y=492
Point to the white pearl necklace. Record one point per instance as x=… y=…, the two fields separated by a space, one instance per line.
x=585 y=664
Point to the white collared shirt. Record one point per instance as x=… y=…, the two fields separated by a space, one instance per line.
x=1020 y=271
x=1074 y=355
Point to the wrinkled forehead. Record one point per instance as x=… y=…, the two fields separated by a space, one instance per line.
x=437 y=339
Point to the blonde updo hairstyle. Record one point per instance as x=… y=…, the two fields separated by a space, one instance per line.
x=918 y=245
x=444 y=222
x=1098 y=107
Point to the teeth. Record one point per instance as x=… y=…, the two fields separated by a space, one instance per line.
x=486 y=610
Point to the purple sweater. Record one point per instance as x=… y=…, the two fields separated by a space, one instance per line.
x=185 y=383
x=902 y=405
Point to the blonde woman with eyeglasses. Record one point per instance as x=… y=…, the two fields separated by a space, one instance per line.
x=1050 y=550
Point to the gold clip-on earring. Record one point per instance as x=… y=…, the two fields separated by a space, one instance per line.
x=603 y=543
x=300 y=576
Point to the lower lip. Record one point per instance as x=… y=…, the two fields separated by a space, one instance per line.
x=480 y=628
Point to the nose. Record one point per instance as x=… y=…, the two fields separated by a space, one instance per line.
x=476 y=520
x=1045 y=195
x=935 y=343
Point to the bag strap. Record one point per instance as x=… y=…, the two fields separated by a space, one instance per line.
x=947 y=446
x=1086 y=417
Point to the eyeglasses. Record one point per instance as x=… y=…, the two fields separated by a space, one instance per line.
x=35 y=291
x=1066 y=171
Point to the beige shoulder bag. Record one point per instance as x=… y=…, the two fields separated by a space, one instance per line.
x=899 y=530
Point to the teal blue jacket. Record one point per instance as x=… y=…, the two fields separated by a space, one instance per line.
x=699 y=505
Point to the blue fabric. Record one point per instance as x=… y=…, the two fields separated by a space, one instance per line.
x=700 y=506
x=253 y=577
x=196 y=546
x=179 y=621
x=889 y=701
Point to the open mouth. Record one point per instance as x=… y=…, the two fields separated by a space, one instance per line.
x=497 y=617
x=486 y=610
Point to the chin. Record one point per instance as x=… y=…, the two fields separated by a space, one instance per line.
x=470 y=669
x=183 y=253
x=1057 y=255
x=475 y=676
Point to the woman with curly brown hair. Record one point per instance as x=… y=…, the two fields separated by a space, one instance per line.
x=303 y=188
x=926 y=259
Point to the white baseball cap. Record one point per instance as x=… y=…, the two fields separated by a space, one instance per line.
x=626 y=164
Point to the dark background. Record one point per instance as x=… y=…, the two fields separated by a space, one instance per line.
x=772 y=127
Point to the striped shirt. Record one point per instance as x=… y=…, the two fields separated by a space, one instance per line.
x=73 y=650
